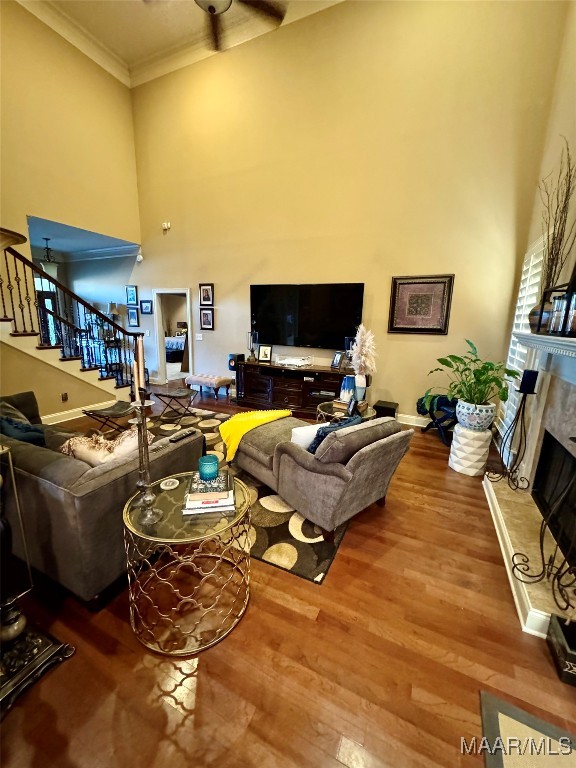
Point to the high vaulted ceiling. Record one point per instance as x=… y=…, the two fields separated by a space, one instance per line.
x=138 y=40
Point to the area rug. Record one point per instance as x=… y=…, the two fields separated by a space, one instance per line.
x=282 y=537
x=513 y=738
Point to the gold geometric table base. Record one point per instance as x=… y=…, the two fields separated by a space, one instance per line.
x=186 y=597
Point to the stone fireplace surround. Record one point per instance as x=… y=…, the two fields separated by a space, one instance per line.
x=516 y=517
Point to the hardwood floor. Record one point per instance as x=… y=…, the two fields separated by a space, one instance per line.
x=381 y=665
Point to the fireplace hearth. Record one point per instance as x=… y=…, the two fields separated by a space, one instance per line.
x=536 y=531
x=554 y=492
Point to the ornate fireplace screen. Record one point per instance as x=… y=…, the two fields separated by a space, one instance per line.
x=554 y=492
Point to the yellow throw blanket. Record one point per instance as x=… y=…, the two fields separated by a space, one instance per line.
x=233 y=430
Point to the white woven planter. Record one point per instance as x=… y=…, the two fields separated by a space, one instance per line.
x=475 y=417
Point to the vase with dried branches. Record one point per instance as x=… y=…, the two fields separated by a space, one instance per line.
x=559 y=233
x=363 y=359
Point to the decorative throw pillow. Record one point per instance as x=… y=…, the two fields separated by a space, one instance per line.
x=96 y=450
x=22 y=430
x=8 y=411
x=329 y=428
x=303 y=436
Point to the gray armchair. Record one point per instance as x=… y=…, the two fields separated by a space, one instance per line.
x=351 y=469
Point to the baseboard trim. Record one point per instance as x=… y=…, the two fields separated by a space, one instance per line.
x=74 y=413
x=413 y=421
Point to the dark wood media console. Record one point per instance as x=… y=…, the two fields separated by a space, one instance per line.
x=266 y=385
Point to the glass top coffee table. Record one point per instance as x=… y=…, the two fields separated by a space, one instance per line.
x=188 y=575
x=327 y=412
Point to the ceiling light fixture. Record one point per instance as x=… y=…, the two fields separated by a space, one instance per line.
x=48 y=257
x=214 y=7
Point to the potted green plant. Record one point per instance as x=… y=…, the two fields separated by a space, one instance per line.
x=473 y=382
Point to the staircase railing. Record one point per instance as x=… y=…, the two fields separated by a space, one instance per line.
x=38 y=304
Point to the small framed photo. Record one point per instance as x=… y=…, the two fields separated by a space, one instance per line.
x=206 y=294
x=132 y=295
x=207 y=319
x=420 y=304
x=145 y=306
x=337 y=360
x=133 y=317
x=352 y=406
x=264 y=353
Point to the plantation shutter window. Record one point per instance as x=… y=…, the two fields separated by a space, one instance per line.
x=518 y=355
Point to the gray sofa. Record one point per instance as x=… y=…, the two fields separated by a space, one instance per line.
x=351 y=469
x=73 y=512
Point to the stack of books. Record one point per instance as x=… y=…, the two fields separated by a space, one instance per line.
x=209 y=495
x=342 y=405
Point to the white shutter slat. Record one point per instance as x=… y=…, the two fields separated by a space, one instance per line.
x=528 y=295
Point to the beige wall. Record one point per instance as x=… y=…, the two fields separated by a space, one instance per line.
x=371 y=140
x=67 y=134
x=101 y=281
x=20 y=372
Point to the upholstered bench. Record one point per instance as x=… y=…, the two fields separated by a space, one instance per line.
x=210 y=380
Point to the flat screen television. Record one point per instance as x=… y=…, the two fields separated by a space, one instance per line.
x=316 y=315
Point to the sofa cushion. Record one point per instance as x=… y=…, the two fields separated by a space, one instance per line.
x=26 y=403
x=328 y=429
x=95 y=450
x=341 y=445
x=54 y=437
x=259 y=443
x=9 y=411
x=303 y=436
x=34 y=460
x=22 y=430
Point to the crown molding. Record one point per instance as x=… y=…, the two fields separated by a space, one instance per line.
x=87 y=254
x=112 y=252
x=77 y=36
x=163 y=64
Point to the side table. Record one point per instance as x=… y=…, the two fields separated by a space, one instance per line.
x=188 y=575
x=177 y=402
x=469 y=450
x=327 y=412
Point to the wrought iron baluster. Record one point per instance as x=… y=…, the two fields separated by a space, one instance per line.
x=29 y=297
x=70 y=319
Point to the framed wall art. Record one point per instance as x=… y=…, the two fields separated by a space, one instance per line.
x=337 y=360
x=131 y=295
x=420 y=304
x=206 y=294
x=133 y=317
x=264 y=353
x=145 y=306
x=207 y=319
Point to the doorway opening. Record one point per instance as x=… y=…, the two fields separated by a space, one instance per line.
x=173 y=326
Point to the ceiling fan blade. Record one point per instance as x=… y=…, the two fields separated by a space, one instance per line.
x=215 y=31
x=266 y=8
